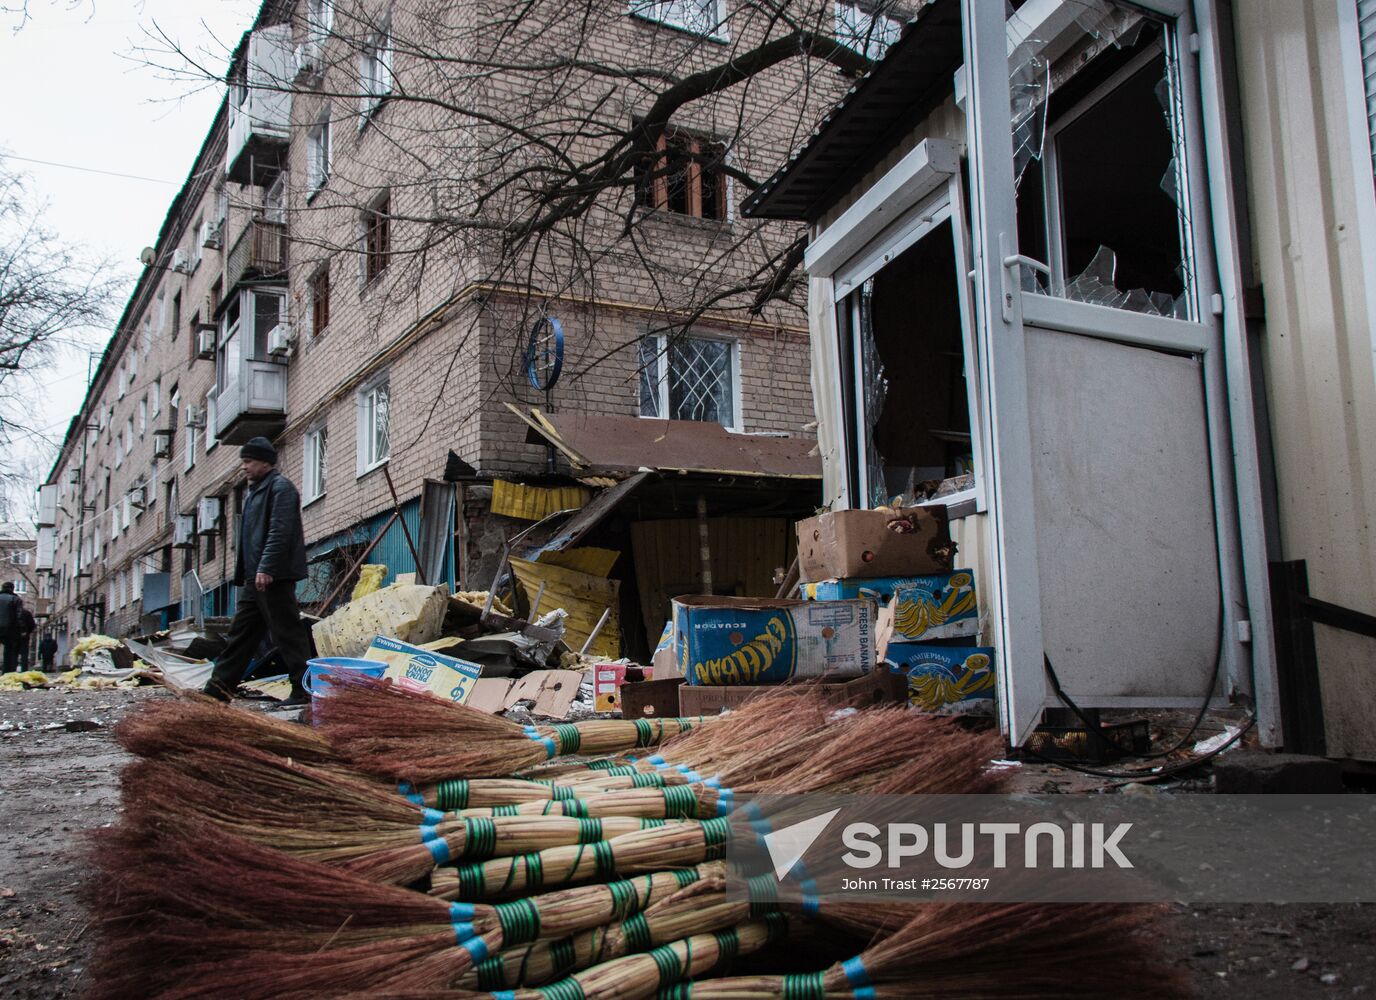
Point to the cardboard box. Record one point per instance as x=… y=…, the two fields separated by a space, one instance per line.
x=744 y=640
x=949 y=680
x=418 y=669
x=860 y=543
x=665 y=658
x=878 y=687
x=656 y=699
x=551 y=692
x=941 y=606
x=609 y=678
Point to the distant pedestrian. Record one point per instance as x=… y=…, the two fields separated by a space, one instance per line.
x=47 y=652
x=10 y=634
x=271 y=559
x=27 y=624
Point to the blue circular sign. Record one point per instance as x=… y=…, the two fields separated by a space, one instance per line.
x=545 y=353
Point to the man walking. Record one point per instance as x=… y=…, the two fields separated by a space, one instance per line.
x=10 y=624
x=271 y=559
x=47 y=651
x=27 y=624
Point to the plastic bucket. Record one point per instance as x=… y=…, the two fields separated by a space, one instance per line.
x=319 y=685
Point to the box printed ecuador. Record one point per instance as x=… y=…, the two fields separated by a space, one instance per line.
x=741 y=640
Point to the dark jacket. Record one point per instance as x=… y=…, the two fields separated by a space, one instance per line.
x=10 y=606
x=270 y=536
x=27 y=623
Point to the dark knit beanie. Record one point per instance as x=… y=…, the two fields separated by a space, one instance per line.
x=260 y=448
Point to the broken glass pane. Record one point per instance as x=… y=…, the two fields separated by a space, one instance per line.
x=876 y=392
x=1028 y=84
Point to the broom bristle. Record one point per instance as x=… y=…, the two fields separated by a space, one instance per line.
x=172 y=726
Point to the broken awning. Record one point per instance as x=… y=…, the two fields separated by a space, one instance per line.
x=595 y=444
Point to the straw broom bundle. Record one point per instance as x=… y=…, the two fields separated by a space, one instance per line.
x=234 y=885
x=394 y=733
x=326 y=819
x=957 y=950
x=882 y=751
x=172 y=726
x=700 y=908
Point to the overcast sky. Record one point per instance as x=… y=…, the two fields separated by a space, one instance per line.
x=78 y=95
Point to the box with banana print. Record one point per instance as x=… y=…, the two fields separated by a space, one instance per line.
x=934 y=606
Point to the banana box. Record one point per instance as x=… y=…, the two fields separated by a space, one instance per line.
x=935 y=606
x=743 y=640
x=946 y=680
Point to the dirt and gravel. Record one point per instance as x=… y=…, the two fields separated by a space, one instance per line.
x=58 y=778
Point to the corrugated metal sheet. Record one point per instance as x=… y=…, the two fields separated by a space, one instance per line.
x=588 y=559
x=745 y=553
x=583 y=596
x=1317 y=345
x=391 y=551
x=532 y=503
x=1366 y=31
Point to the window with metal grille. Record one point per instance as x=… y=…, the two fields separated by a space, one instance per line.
x=684 y=176
x=377 y=238
x=374 y=426
x=701 y=17
x=688 y=378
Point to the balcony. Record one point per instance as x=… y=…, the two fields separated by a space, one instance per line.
x=259 y=252
x=260 y=83
x=251 y=402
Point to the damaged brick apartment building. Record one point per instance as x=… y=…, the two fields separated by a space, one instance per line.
x=405 y=222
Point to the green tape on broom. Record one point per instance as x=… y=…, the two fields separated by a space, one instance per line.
x=452 y=794
x=569 y=737
x=671 y=968
x=589 y=830
x=491 y=973
x=519 y=920
x=637 y=932
x=804 y=986
x=563 y=955
x=480 y=838
x=728 y=947
x=680 y=801
x=565 y=989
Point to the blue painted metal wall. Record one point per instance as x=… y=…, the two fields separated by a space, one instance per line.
x=391 y=551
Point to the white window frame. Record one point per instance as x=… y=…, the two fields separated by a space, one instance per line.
x=155 y=397
x=367 y=458
x=662 y=356
x=375 y=64
x=315 y=457
x=319 y=20
x=21 y=585
x=666 y=12
x=189 y=438
x=212 y=400
x=872 y=41
x=143 y=415
x=319 y=153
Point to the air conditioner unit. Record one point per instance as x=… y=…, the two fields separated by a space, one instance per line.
x=205 y=342
x=138 y=496
x=213 y=234
x=281 y=339
x=181 y=261
x=184 y=532
x=195 y=416
x=208 y=515
x=74 y=477
x=162 y=443
x=307 y=56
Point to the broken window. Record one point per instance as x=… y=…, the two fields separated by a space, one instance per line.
x=904 y=345
x=1097 y=154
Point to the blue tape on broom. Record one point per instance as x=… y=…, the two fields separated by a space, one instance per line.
x=477 y=948
x=855 y=971
x=461 y=911
x=532 y=733
x=725 y=800
x=406 y=791
x=432 y=816
x=439 y=849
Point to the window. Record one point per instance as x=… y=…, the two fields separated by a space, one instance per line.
x=694 y=378
x=129 y=436
x=320 y=301
x=143 y=416
x=685 y=176
x=162 y=320
x=377 y=238
x=21 y=586
x=865 y=29
x=318 y=153
x=374 y=426
x=211 y=414
x=189 y=432
x=155 y=397
x=375 y=70
x=197 y=249
x=701 y=17
x=20 y=557
x=319 y=19
x=177 y=310
x=313 y=455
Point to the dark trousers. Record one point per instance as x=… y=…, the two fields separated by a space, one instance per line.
x=11 y=641
x=23 y=656
x=273 y=612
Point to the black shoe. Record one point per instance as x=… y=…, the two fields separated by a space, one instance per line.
x=213 y=690
x=299 y=696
